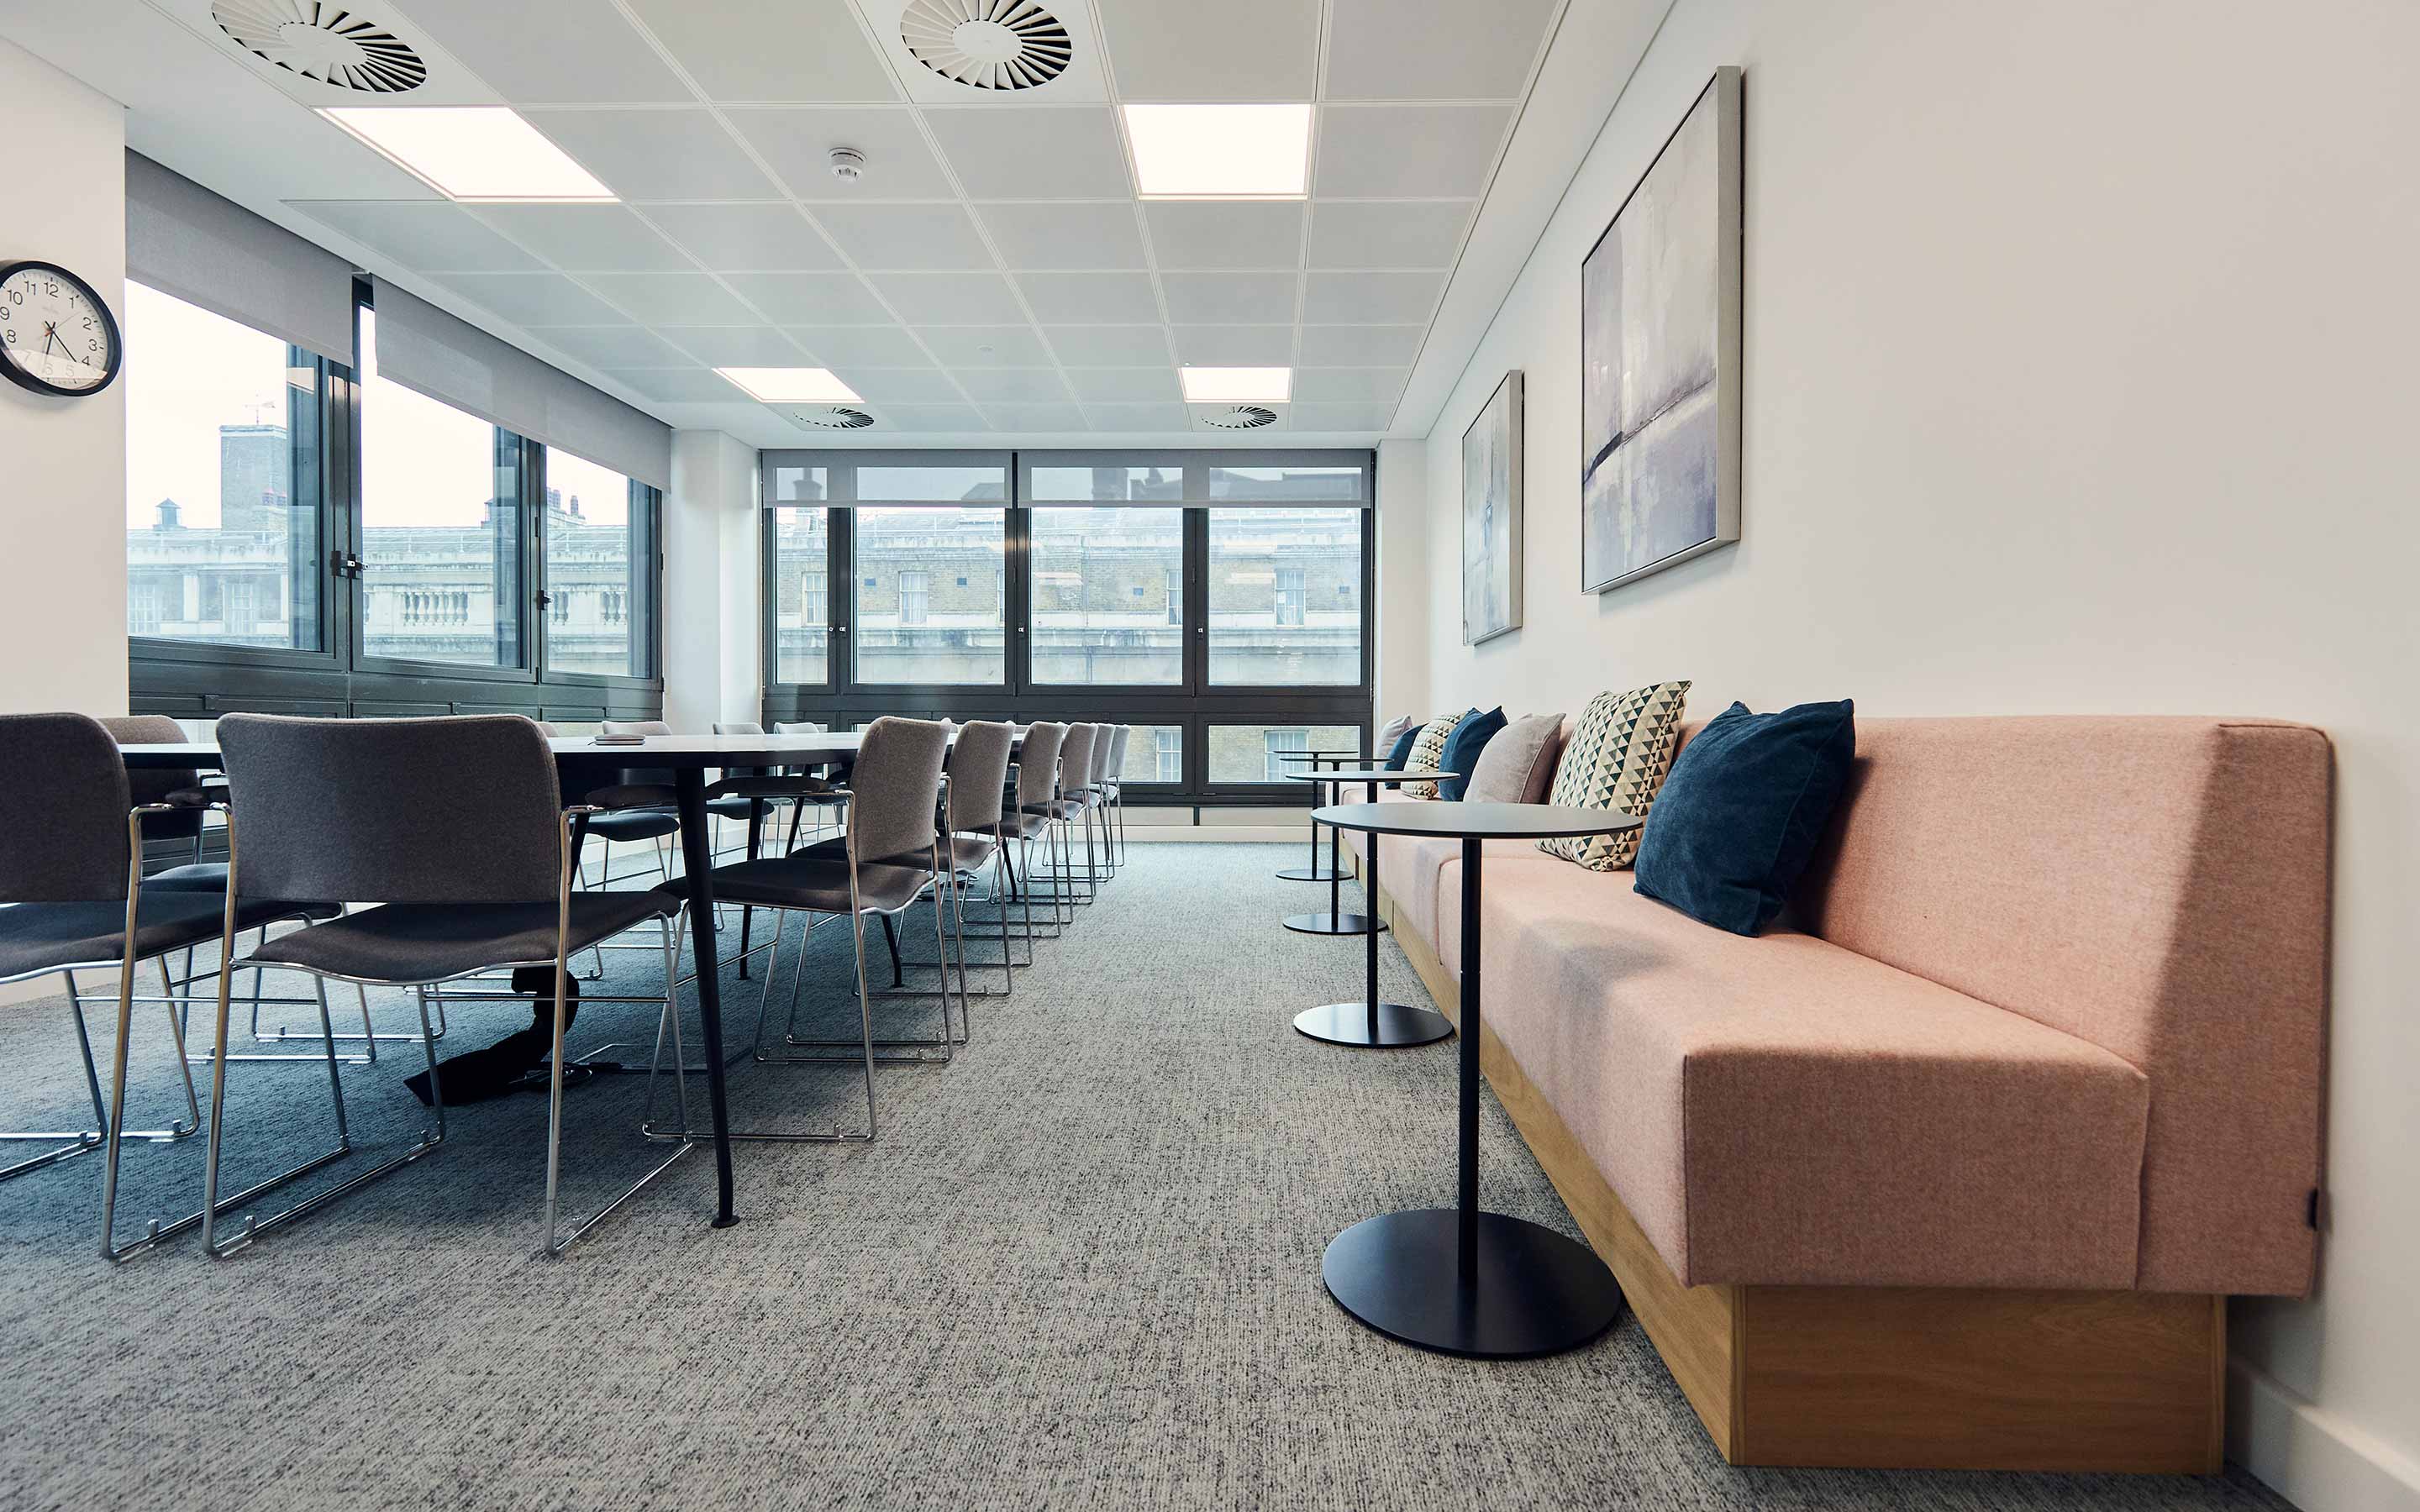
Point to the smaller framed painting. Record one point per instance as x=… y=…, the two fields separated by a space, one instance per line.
x=1491 y=517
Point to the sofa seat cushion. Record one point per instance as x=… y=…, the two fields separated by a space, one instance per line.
x=1782 y=1111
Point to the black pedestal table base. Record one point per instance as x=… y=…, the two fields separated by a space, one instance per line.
x=1388 y=1027
x=1532 y=1291
x=1309 y=874
x=1334 y=924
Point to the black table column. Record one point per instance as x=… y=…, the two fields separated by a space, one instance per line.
x=1371 y=1024
x=697 y=859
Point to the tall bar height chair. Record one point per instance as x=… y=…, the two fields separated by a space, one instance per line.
x=71 y=864
x=481 y=879
x=891 y=855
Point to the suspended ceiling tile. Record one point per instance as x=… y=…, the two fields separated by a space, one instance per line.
x=972 y=346
x=1230 y=299
x=1022 y=385
x=570 y=51
x=535 y=299
x=1343 y=417
x=1361 y=346
x=862 y=346
x=905 y=236
x=1137 y=346
x=429 y=236
x=1346 y=233
x=1235 y=345
x=799 y=144
x=745 y=238
x=611 y=345
x=900 y=385
x=1090 y=298
x=1124 y=385
x=735 y=345
x=582 y=239
x=1236 y=50
x=949 y=299
x=1034 y=417
x=812 y=298
x=658 y=154
x=748 y=50
x=1225 y=232
x=1372 y=299
x=678 y=385
x=1406 y=151
x=1433 y=48
x=1139 y=417
x=942 y=417
x=1033 y=152
x=673 y=298
x=1349 y=385
x=1070 y=233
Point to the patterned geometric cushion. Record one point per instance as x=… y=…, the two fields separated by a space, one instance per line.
x=1427 y=751
x=1616 y=759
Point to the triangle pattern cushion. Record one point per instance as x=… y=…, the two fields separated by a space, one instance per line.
x=1428 y=750
x=1616 y=759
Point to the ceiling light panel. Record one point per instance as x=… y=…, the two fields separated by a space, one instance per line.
x=792 y=385
x=476 y=153
x=1221 y=151
x=1237 y=385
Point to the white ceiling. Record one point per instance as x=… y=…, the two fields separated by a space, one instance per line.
x=993 y=278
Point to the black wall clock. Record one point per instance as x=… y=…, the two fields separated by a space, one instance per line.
x=56 y=336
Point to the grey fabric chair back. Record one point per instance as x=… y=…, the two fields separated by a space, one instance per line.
x=979 y=773
x=894 y=790
x=737 y=727
x=154 y=784
x=802 y=727
x=1037 y=763
x=62 y=811
x=1104 y=741
x=1076 y=757
x=1117 y=767
x=448 y=810
x=549 y=729
x=636 y=727
x=640 y=776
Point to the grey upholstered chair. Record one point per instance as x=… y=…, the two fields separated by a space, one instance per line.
x=979 y=834
x=1103 y=791
x=1031 y=819
x=889 y=856
x=480 y=878
x=646 y=821
x=70 y=863
x=1066 y=803
x=1117 y=787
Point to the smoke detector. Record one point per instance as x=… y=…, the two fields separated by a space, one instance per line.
x=323 y=43
x=832 y=417
x=848 y=164
x=987 y=44
x=1241 y=417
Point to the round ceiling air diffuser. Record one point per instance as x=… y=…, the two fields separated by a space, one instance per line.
x=987 y=44
x=832 y=417
x=323 y=43
x=1242 y=417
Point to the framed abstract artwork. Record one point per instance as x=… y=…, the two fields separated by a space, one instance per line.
x=1660 y=398
x=1491 y=517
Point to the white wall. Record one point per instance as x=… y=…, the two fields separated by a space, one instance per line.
x=711 y=648
x=63 y=505
x=1402 y=572
x=2080 y=343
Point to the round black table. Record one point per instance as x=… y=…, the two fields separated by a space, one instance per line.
x=1335 y=920
x=1456 y=1279
x=1314 y=871
x=1371 y=1024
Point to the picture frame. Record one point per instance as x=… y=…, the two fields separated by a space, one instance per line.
x=1493 y=512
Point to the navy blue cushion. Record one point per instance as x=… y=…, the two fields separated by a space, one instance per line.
x=1739 y=816
x=1463 y=746
x=1403 y=752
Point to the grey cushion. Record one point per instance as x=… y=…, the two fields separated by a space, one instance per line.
x=634 y=823
x=816 y=879
x=1396 y=728
x=1518 y=764
x=211 y=876
x=431 y=942
x=44 y=937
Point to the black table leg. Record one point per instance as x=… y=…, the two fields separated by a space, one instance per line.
x=1371 y=1024
x=1311 y=872
x=1335 y=920
x=747 y=916
x=1458 y=1280
x=697 y=857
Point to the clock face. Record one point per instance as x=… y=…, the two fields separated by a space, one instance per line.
x=56 y=336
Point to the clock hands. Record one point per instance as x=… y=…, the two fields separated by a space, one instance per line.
x=51 y=335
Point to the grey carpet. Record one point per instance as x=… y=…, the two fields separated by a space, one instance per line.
x=1081 y=1268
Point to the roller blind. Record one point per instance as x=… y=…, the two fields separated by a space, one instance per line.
x=1222 y=479
x=182 y=239
x=427 y=350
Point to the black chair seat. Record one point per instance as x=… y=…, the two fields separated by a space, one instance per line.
x=634 y=823
x=431 y=942
x=813 y=879
x=211 y=876
x=738 y=807
x=36 y=937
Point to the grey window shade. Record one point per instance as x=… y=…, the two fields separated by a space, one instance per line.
x=424 y=350
x=182 y=239
x=1219 y=479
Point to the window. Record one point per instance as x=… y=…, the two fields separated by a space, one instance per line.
x=904 y=633
x=440 y=514
x=1286 y=597
x=802 y=596
x=1108 y=603
x=223 y=518
x=1259 y=754
x=597 y=545
x=1154 y=754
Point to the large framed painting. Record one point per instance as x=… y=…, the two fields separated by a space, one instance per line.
x=1660 y=356
x=1491 y=517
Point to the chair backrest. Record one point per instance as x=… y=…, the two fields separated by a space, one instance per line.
x=640 y=776
x=549 y=729
x=801 y=727
x=636 y=727
x=62 y=811
x=1076 y=757
x=1118 y=750
x=1104 y=743
x=151 y=784
x=979 y=773
x=895 y=789
x=457 y=810
x=1037 y=763
x=737 y=727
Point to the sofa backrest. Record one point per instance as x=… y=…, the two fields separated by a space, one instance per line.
x=2156 y=886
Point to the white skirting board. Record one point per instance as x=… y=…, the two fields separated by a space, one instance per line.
x=2308 y=1457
